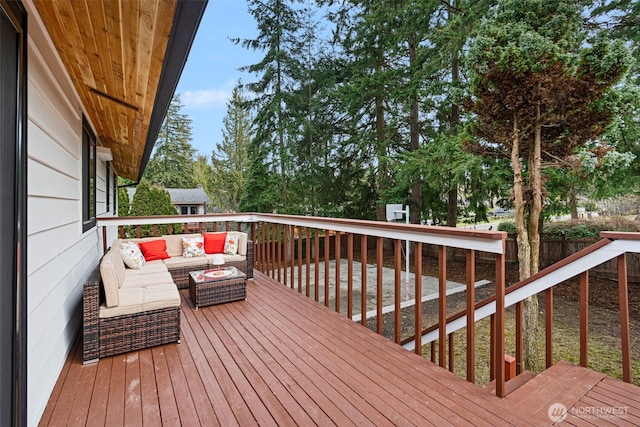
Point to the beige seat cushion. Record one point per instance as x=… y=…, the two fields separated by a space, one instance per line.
x=228 y=258
x=155 y=266
x=144 y=280
x=181 y=261
x=137 y=299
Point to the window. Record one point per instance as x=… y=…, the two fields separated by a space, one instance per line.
x=107 y=189
x=88 y=177
x=115 y=193
x=188 y=209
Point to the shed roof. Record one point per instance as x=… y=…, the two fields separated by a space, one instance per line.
x=180 y=196
x=188 y=195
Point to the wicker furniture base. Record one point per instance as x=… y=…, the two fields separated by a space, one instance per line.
x=114 y=335
x=217 y=292
x=180 y=275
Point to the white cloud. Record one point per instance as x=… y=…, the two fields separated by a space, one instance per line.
x=206 y=98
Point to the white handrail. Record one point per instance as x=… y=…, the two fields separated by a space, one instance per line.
x=545 y=281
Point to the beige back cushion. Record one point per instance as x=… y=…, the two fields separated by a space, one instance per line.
x=242 y=243
x=109 y=279
x=118 y=263
x=174 y=243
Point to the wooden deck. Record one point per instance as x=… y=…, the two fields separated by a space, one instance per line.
x=279 y=358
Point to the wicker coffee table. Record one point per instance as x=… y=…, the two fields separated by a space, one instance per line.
x=217 y=286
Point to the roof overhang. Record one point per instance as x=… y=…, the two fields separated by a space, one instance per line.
x=125 y=59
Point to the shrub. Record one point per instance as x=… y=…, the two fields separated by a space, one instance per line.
x=579 y=229
x=508 y=227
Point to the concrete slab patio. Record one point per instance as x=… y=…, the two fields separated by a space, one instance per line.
x=429 y=286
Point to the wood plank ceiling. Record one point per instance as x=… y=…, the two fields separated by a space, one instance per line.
x=114 y=52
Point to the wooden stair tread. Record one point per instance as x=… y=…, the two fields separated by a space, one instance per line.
x=513 y=384
x=540 y=381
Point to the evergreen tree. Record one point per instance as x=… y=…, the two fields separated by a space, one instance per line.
x=171 y=164
x=123 y=202
x=230 y=160
x=539 y=94
x=278 y=24
x=261 y=192
x=365 y=37
x=151 y=200
x=203 y=174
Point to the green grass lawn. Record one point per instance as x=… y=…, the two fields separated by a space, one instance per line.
x=604 y=343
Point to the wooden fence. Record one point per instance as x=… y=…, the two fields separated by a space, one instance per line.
x=552 y=251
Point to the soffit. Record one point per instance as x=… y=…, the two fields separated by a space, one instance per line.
x=114 y=52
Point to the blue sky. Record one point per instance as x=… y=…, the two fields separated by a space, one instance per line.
x=211 y=71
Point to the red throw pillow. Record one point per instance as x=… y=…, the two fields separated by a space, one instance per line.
x=214 y=242
x=154 y=249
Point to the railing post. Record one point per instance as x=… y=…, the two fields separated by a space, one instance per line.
x=548 y=334
x=584 y=319
x=397 y=289
x=327 y=244
x=379 y=262
x=363 y=279
x=623 y=293
x=279 y=252
x=299 y=237
x=290 y=236
x=350 y=275
x=308 y=260
x=519 y=337
x=499 y=325
x=337 y=269
x=104 y=240
x=316 y=261
x=442 y=306
x=471 y=321
x=418 y=298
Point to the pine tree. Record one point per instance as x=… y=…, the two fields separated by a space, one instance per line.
x=278 y=23
x=150 y=200
x=171 y=164
x=203 y=174
x=230 y=160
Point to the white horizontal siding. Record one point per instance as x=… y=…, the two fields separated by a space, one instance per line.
x=43 y=181
x=59 y=255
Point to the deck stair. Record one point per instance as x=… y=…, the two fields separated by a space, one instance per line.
x=574 y=395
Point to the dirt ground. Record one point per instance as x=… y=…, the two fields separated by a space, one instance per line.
x=604 y=315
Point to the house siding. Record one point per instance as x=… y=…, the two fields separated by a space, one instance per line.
x=60 y=256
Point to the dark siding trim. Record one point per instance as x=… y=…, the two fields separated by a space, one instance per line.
x=185 y=24
x=13 y=274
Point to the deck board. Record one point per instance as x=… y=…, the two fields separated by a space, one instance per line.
x=148 y=389
x=279 y=358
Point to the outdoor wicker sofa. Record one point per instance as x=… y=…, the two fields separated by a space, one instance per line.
x=180 y=266
x=107 y=336
x=127 y=309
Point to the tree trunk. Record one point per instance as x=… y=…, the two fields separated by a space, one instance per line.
x=381 y=149
x=454 y=122
x=414 y=141
x=531 y=310
x=573 y=201
x=524 y=249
